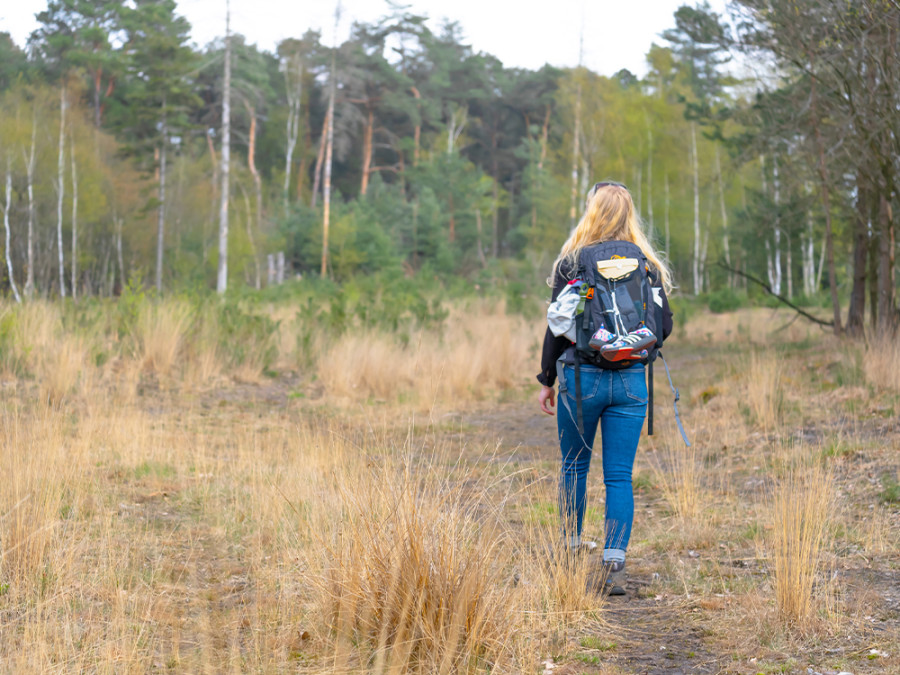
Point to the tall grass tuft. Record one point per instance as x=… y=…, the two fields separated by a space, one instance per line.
x=801 y=509
x=479 y=350
x=764 y=389
x=678 y=476
x=881 y=363
x=159 y=333
x=418 y=577
x=61 y=368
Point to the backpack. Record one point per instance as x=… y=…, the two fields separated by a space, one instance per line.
x=618 y=295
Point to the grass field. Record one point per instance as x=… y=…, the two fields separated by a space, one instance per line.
x=185 y=490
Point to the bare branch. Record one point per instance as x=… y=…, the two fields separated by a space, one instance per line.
x=781 y=298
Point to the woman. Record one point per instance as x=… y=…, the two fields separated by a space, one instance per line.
x=616 y=400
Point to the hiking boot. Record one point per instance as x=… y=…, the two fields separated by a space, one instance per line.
x=613 y=577
x=632 y=343
x=586 y=547
x=601 y=338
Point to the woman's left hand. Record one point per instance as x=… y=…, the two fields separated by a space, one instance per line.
x=546 y=399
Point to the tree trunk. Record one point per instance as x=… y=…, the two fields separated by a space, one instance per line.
x=826 y=205
x=249 y=223
x=856 y=314
x=222 y=272
x=257 y=184
x=293 y=129
x=161 y=211
x=119 y=257
x=696 y=173
x=329 y=149
x=639 y=181
x=9 y=266
x=576 y=152
x=98 y=76
x=776 y=194
x=367 y=150
x=886 y=310
x=495 y=195
x=666 y=213
x=74 y=219
x=481 y=257
x=215 y=193
x=726 y=249
x=417 y=131
x=29 y=164
x=545 y=135
x=539 y=174
x=320 y=158
x=60 y=192
x=650 y=223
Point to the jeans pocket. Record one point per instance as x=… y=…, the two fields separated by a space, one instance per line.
x=590 y=382
x=635 y=384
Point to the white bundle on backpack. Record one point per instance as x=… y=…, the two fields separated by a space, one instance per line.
x=561 y=312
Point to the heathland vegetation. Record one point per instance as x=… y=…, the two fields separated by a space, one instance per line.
x=336 y=464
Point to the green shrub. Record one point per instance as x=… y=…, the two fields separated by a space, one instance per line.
x=725 y=300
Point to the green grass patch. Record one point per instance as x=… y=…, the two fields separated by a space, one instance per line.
x=599 y=644
x=150 y=468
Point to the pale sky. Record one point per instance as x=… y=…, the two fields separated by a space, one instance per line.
x=525 y=34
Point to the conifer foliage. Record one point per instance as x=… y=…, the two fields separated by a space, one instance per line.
x=443 y=159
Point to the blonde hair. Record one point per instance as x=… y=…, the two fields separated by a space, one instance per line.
x=610 y=216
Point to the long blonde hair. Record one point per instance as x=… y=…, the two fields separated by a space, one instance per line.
x=610 y=216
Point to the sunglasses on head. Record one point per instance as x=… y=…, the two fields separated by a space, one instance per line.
x=607 y=183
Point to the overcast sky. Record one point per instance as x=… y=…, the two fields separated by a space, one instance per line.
x=527 y=34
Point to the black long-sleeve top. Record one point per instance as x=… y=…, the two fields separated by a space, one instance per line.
x=555 y=346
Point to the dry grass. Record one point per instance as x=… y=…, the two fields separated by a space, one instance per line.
x=480 y=350
x=679 y=477
x=881 y=363
x=764 y=388
x=213 y=527
x=801 y=511
x=160 y=333
x=419 y=575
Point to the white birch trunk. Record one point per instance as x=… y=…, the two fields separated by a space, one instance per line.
x=789 y=268
x=666 y=213
x=639 y=176
x=809 y=254
x=821 y=266
x=294 y=91
x=29 y=165
x=329 y=150
x=776 y=194
x=696 y=171
x=119 y=257
x=649 y=182
x=726 y=249
x=60 y=190
x=222 y=276
x=74 y=218
x=6 y=206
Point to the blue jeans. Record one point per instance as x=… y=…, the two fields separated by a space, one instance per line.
x=617 y=401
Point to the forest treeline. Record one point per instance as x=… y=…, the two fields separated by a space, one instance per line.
x=125 y=151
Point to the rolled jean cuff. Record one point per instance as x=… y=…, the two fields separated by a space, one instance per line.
x=613 y=555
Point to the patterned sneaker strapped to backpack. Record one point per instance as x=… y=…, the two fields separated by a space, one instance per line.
x=627 y=346
x=601 y=338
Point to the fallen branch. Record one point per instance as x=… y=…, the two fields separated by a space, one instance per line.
x=781 y=298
